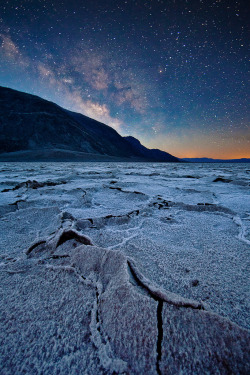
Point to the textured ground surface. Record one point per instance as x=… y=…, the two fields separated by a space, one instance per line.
x=122 y=268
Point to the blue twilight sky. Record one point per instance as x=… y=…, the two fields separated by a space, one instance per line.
x=172 y=73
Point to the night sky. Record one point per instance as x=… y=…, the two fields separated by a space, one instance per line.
x=172 y=73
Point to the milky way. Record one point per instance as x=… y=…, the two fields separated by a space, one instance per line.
x=171 y=73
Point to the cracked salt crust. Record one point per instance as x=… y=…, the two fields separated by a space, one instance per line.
x=77 y=306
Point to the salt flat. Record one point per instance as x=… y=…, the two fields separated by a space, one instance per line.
x=124 y=268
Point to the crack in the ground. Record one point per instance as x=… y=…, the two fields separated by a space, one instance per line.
x=159 y=317
x=98 y=222
x=129 y=214
x=199 y=207
x=98 y=337
x=126 y=191
x=162 y=203
x=158 y=203
x=32 y=247
x=72 y=235
x=33 y=184
x=159 y=297
x=97 y=312
x=222 y=179
x=16 y=203
x=7 y=259
x=160 y=336
x=58 y=239
x=59 y=256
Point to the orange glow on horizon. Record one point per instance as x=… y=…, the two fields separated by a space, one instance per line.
x=222 y=156
x=203 y=146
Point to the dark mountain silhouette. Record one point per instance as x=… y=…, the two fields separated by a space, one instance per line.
x=152 y=154
x=34 y=128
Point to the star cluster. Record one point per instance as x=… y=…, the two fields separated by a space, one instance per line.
x=172 y=73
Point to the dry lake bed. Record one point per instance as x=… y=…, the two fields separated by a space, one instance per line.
x=124 y=268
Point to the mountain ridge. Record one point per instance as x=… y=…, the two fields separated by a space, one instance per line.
x=35 y=127
x=150 y=153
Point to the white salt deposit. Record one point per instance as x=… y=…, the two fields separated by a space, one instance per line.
x=124 y=268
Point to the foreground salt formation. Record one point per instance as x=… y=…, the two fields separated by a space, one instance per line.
x=71 y=307
x=88 y=260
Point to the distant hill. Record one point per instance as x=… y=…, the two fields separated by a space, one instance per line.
x=209 y=160
x=32 y=128
x=152 y=154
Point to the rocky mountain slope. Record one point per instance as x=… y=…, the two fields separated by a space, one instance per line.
x=31 y=127
x=153 y=154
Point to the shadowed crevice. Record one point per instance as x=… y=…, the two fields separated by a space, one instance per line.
x=126 y=191
x=160 y=298
x=160 y=336
x=159 y=295
x=68 y=235
x=31 y=248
